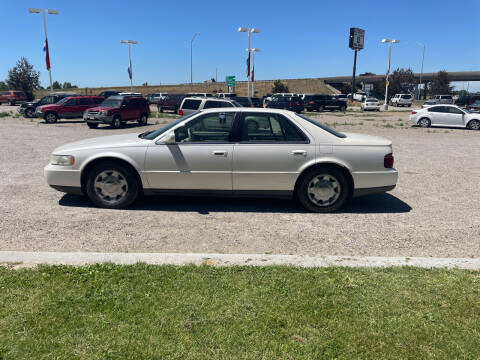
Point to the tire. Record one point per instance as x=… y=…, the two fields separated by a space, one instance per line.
x=343 y=108
x=160 y=109
x=143 y=120
x=320 y=108
x=474 y=125
x=424 y=122
x=30 y=113
x=92 y=125
x=112 y=185
x=51 y=117
x=11 y=103
x=116 y=122
x=409 y=105
x=331 y=194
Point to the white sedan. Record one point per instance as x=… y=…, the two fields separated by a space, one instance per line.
x=445 y=115
x=370 y=103
x=229 y=152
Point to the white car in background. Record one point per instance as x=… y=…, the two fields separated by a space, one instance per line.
x=370 y=103
x=445 y=115
x=402 y=100
x=229 y=152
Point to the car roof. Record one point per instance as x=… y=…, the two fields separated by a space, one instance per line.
x=207 y=98
x=248 y=109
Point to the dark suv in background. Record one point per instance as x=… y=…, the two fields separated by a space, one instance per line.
x=28 y=108
x=171 y=102
x=293 y=103
x=117 y=110
x=320 y=102
x=467 y=100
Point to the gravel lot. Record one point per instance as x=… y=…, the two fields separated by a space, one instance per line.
x=434 y=211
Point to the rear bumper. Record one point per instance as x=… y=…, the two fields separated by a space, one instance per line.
x=374 y=180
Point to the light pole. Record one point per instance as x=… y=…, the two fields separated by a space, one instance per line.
x=191 y=60
x=421 y=71
x=51 y=12
x=249 y=31
x=254 y=50
x=390 y=41
x=130 y=70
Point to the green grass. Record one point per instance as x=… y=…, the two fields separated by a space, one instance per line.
x=4 y=114
x=163 y=312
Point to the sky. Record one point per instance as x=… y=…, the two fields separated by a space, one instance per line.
x=298 y=39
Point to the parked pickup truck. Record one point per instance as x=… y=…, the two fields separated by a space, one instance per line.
x=319 y=102
x=12 y=97
x=67 y=108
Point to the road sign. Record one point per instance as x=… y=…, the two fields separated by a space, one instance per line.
x=230 y=81
x=356 y=39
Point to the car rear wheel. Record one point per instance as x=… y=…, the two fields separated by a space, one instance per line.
x=51 y=117
x=343 y=108
x=323 y=189
x=29 y=113
x=92 y=125
x=116 y=122
x=143 y=120
x=112 y=185
x=424 y=122
x=320 y=108
x=474 y=125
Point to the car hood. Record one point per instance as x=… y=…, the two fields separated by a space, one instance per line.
x=49 y=106
x=101 y=108
x=103 y=142
x=362 y=139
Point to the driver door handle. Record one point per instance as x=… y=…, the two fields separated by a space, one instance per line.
x=220 y=153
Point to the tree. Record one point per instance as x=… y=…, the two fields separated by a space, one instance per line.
x=67 y=85
x=441 y=84
x=23 y=77
x=56 y=85
x=279 y=87
x=402 y=81
x=3 y=86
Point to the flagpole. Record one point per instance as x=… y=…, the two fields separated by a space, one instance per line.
x=47 y=49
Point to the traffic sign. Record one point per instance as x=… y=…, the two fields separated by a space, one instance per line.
x=230 y=80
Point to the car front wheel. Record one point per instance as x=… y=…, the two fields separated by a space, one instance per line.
x=116 y=122
x=30 y=113
x=322 y=190
x=474 y=125
x=112 y=185
x=51 y=118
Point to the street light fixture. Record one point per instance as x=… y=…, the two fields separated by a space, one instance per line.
x=254 y=50
x=191 y=60
x=51 y=12
x=130 y=70
x=249 y=31
x=421 y=71
x=390 y=41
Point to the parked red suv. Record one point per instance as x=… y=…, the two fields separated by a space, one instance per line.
x=12 y=97
x=117 y=110
x=67 y=108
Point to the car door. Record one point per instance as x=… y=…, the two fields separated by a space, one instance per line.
x=455 y=116
x=270 y=154
x=438 y=114
x=83 y=104
x=201 y=159
x=69 y=108
x=127 y=110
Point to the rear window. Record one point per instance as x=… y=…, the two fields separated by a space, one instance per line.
x=320 y=125
x=406 y=96
x=212 y=104
x=191 y=104
x=446 y=97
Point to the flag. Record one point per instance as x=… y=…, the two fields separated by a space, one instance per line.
x=248 y=65
x=129 y=70
x=253 y=71
x=47 y=54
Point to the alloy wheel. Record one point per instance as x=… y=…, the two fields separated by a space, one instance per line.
x=111 y=186
x=324 y=190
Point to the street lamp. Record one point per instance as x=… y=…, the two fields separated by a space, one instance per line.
x=51 y=12
x=130 y=70
x=254 y=50
x=421 y=71
x=191 y=60
x=249 y=31
x=390 y=41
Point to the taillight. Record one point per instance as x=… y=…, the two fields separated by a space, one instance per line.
x=388 y=161
x=312 y=102
x=414 y=112
x=293 y=104
x=180 y=112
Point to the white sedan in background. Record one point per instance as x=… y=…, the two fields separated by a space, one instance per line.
x=370 y=103
x=229 y=152
x=445 y=115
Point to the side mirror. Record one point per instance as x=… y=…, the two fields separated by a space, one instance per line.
x=169 y=139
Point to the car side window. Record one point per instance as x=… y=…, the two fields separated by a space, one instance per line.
x=85 y=101
x=213 y=127
x=436 y=109
x=191 y=104
x=212 y=104
x=226 y=104
x=71 y=102
x=454 y=110
x=257 y=127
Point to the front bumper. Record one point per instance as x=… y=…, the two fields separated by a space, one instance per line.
x=63 y=177
x=39 y=114
x=97 y=118
x=371 y=107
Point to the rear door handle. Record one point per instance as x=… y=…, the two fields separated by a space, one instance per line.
x=299 y=152
x=220 y=153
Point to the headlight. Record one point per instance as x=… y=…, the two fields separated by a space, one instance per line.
x=65 y=160
x=102 y=112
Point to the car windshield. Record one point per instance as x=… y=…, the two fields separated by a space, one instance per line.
x=113 y=103
x=320 y=125
x=153 y=134
x=62 y=101
x=236 y=103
